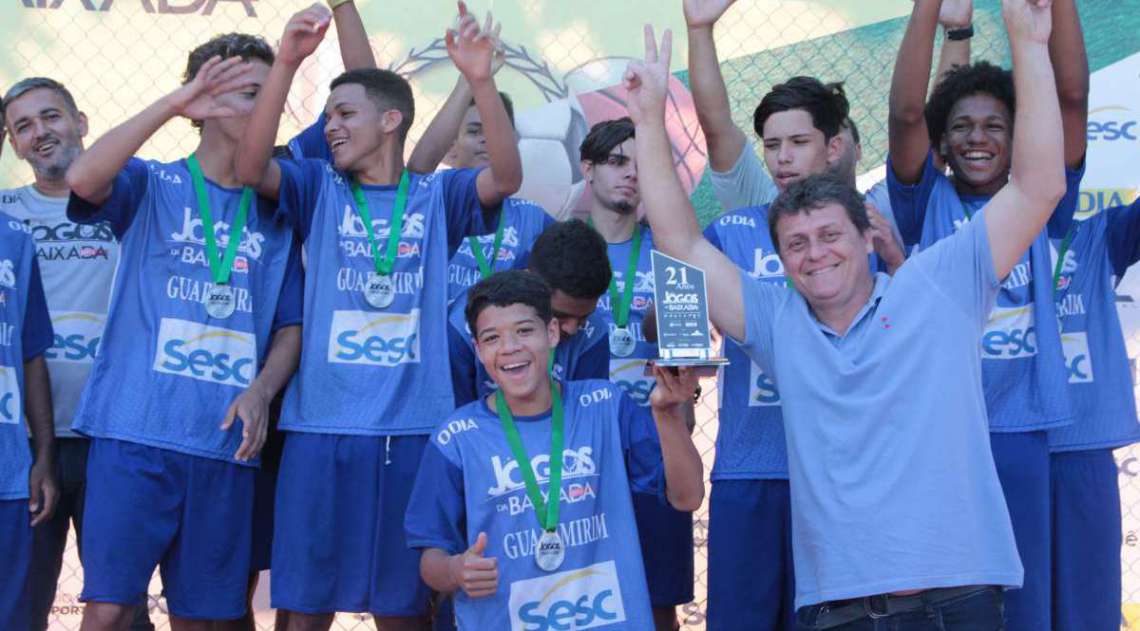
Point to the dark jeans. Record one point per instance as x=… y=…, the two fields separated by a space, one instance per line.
x=981 y=610
x=49 y=539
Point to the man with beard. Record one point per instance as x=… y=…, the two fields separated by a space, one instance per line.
x=77 y=263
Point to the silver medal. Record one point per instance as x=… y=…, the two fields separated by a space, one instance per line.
x=550 y=551
x=379 y=290
x=220 y=301
x=622 y=342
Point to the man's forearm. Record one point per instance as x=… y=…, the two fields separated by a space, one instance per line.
x=281 y=362
x=256 y=145
x=435 y=569
x=1071 y=67
x=908 y=140
x=37 y=407
x=91 y=174
x=684 y=473
x=502 y=146
x=714 y=113
x=355 y=50
x=442 y=130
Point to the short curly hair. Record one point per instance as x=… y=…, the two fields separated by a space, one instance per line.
x=572 y=258
x=960 y=82
x=503 y=289
x=826 y=103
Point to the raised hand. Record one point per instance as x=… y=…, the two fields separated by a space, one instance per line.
x=1028 y=20
x=648 y=81
x=303 y=33
x=472 y=49
x=198 y=98
x=956 y=13
x=474 y=573
x=704 y=13
x=883 y=239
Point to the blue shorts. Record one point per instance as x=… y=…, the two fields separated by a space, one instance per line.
x=15 y=561
x=1086 y=541
x=339 y=543
x=667 y=549
x=1022 y=461
x=751 y=582
x=261 y=537
x=188 y=515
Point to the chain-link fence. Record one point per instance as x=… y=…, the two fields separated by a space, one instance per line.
x=563 y=61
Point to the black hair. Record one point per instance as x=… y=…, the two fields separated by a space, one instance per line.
x=850 y=125
x=603 y=137
x=23 y=86
x=387 y=89
x=572 y=258
x=825 y=103
x=503 y=289
x=248 y=47
x=960 y=82
x=508 y=105
x=814 y=192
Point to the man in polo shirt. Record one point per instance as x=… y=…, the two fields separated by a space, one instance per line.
x=897 y=508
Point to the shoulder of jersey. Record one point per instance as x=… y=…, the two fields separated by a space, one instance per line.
x=748 y=217
x=589 y=386
x=8 y=197
x=13 y=228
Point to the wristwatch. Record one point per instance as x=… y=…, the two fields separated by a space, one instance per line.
x=954 y=34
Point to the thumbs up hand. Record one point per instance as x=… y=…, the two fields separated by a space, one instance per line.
x=474 y=573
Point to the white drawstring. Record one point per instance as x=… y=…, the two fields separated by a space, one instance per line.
x=387 y=450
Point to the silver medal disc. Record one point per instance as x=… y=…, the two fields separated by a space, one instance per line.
x=550 y=551
x=379 y=290
x=220 y=301
x=622 y=342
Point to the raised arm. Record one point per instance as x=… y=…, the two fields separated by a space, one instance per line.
x=1071 y=66
x=472 y=50
x=1016 y=215
x=252 y=161
x=355 y=51
x=725 y=140
x=674 y=223
x=909 y=142
x=955 y=15
x=92 y=173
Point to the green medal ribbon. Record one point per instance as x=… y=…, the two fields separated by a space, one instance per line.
x=485 y=268
x=547 y=513
x=1065 y=243
x=620 y=304
x=220 y=267
x=395 y=225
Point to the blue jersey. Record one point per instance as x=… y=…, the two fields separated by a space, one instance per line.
x=1024 y=368
x=629 y=372
x=183 y=367
x=750 y=438
x=585 y=355
x=1100 y=249
x=523 y=221
x=311 y=143
x=369 y=371
x=25 y=333
x=470 y=483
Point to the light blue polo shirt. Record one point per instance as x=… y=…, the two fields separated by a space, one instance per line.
x=1100 y=250
x=892 y=479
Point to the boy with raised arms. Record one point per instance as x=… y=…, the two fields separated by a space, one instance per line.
x=1085 y=485
x=28 y=487
x=369 y=391
x=456 y=137
x=968 y=123
x=204 y=326
x=571 y=258
x=884 y=456
x=530 y=541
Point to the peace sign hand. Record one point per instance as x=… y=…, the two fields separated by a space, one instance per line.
x=648 y=81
